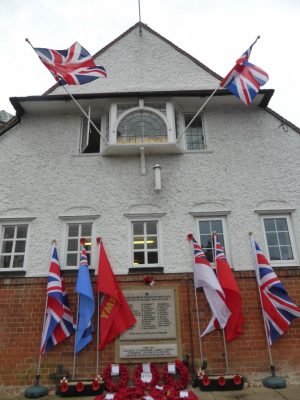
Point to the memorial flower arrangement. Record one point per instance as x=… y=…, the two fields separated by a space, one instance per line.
x=64 y=387
x=79 y=387
x=123 y=381
x=138 y=379
x=96 y=383
x=182 y=370
x=148 y=279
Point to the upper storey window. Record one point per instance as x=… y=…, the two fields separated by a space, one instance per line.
x=194 y=133
x=141 y=126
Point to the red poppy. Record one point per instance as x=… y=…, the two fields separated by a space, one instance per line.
x=95 y=385
x=64 y=387
x=237 y=380
x=221 y=381
x=79 y=387
x=205 y=380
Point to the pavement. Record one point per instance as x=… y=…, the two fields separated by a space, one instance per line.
x=291 y=392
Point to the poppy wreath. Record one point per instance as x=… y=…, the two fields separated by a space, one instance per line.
x=79 y=387
x=124 y=377
x=137 y=377
x=131 y=393
x=170 y=393
x=182 y=370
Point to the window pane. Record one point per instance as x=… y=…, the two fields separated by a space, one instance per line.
x=73 y=245
x=209 y=254
x=216 y=226
x=272 y=239
x=20 y=246
x=9 y=232
x=73 y=230
x=284 y=238
x=205 y=241
x=152 y=242
x=138 y=228
x=151 y=227
x=86 y=229
x=18 y=261
x=7 y=246
x=281 y=224
x=269 y=225
x=72 y=260
x=274 y=253
x=153 y=258
x=5 y=261
x=286 y=253
x=138 y=242
x=204 y=227
x=139 y=258
x=194 y=133
x=22 y=231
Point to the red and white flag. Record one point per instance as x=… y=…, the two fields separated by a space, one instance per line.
x=233 y=298
x=205 y=277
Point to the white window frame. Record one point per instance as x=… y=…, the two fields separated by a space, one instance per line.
x=16 y=222
x=223 y=219
x=168 y=118
x=159 y=241
x=203 y=133
x=280 y=263
x=94 y=248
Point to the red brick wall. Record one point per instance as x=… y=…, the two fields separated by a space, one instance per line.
x=22 y=302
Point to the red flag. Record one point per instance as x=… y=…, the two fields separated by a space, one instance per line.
x=115 y=314
x=233 y=298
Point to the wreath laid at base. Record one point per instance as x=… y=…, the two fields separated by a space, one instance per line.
x=123 y=381
x=138 y=377
x=182 y=370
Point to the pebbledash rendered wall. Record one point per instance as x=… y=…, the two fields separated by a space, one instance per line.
x=22 y=302
x=251 y=163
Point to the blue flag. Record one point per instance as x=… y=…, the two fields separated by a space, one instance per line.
x=86 y=304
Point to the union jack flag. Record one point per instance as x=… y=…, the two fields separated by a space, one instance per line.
x=58 y=323
x=245 y=79
x=73 y=66
x=278 y=309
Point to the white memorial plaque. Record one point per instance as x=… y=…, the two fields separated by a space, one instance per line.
x=183 y=394
x=171 y=368
x=149 y=351
x=146 y=377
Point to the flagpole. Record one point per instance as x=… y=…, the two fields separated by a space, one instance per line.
x=197 y=308
x=223 y=330
x=76 y=102
x=198 y=112
x=40 y=354
x=261 y=304
x=74 y=355
x=98 y=318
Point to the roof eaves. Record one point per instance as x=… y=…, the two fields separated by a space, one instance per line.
x=282 y=119
x=10 y=124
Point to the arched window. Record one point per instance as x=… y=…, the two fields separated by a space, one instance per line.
x=141 y=126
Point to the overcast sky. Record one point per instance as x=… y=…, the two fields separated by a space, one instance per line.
x=216 y=32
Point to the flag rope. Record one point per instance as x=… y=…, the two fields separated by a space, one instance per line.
x=214 y=235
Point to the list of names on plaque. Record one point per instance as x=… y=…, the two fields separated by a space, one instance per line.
x=154 y=311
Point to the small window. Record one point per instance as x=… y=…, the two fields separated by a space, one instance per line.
x=279 y=240
x=206 y=229
x=13 y=246
x=145 y=243
x=90 y=138
x=141 y=126
x=75 y=232
x=194 y=133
